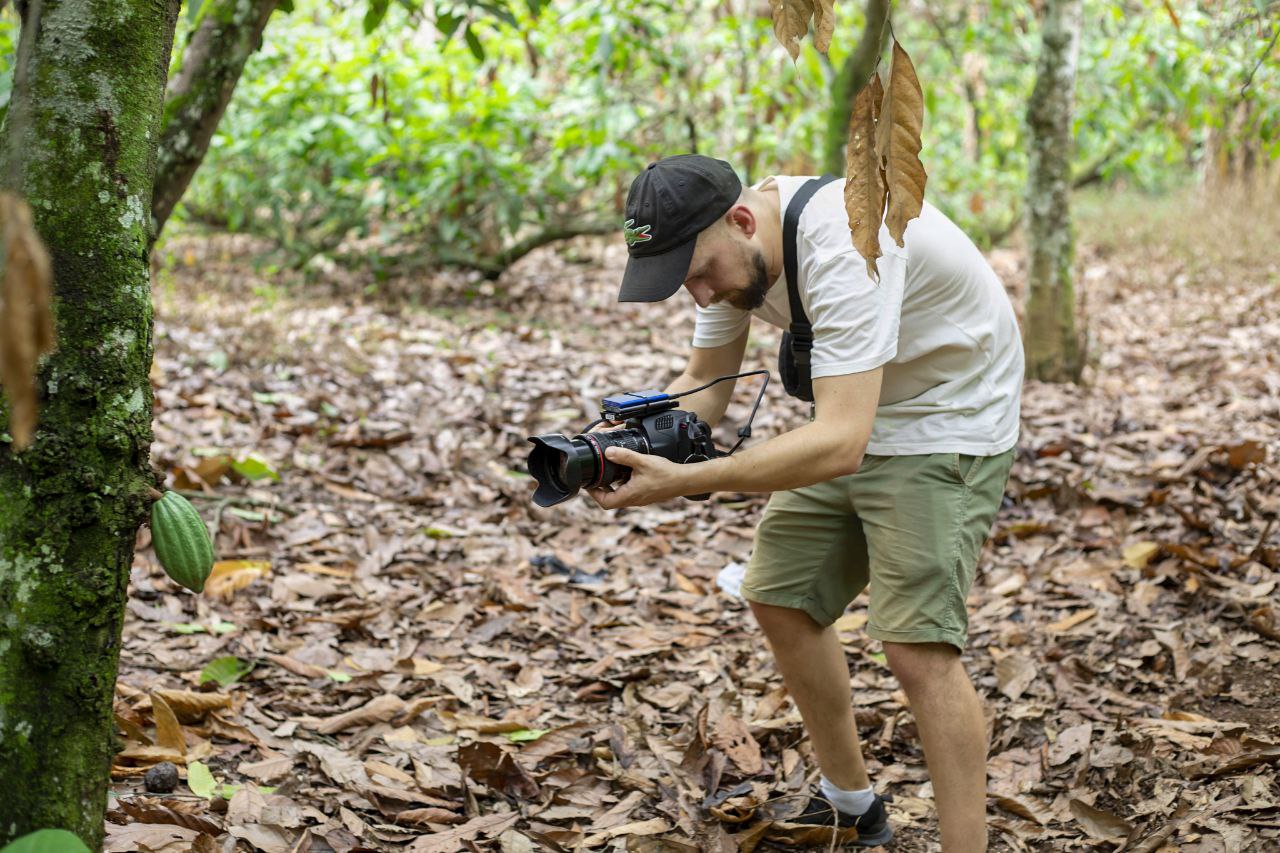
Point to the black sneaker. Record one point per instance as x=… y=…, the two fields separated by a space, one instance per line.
x=873 y=826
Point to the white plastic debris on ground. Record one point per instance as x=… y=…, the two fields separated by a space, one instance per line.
x=730 y=579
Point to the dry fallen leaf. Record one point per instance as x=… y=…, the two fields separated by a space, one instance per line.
x=1014 y=674
x=230 y=576
x=730 y=735
x=1100 y=824
x=377 y=710
x=168 y=730
x=191 y=706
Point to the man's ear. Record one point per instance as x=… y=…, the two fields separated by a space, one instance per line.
x=741 y=218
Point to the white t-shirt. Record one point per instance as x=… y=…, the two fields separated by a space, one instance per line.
x=938 y=322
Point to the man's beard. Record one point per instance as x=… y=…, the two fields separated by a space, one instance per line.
x=752 y=296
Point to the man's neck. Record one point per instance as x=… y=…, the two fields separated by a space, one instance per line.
x=770 y=225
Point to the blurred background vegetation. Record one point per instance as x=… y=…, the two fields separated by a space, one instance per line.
x=365 y=131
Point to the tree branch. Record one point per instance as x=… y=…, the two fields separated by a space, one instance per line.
x=854 y=74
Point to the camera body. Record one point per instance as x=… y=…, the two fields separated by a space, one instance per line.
x=651 y=423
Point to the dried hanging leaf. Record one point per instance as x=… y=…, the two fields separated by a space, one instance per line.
x=791 y=22
x=168 y=729
x=865 y=188
x=824 y=24
x=26 y=322
x=898 y=143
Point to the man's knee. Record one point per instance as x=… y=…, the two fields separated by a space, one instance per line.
x=921 y=664
x=773 y=618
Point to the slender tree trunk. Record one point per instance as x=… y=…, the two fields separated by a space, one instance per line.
x=227 y=34
x=81 y=136
x=1053 y=348
x=853 y=75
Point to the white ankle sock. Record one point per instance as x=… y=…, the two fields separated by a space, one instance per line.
x=849 y=802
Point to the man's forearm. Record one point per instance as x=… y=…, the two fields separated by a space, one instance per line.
x=804 y=456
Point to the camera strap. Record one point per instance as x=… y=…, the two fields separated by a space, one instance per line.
x=800 y=340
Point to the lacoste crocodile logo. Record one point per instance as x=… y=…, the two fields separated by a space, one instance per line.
x=635 y=235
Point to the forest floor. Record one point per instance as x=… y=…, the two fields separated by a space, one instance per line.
x=400 y=651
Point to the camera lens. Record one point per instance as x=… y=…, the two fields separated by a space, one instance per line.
x=561 y=466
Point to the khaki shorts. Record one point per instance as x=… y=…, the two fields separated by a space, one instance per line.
x=911 y=526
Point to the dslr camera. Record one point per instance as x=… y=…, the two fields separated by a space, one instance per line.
x=651 y=424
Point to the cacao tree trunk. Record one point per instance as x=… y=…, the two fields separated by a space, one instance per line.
x=854 y=73
x=225 y=36
x=1053 y=348
x=80 y=134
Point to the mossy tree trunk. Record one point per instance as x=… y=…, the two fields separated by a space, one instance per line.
x=81 y=132
x=225 y=36
x=854 y=73
x=1053 y=348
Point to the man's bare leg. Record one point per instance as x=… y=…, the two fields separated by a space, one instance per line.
x=948 y=714
x=814 y=669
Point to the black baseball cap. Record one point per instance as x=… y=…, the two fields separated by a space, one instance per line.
x=670 y=202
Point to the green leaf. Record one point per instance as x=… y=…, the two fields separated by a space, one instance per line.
x=187 y=627
x=254 y=468
x=220 y=627
x=498 y=11
x=447 y=25
x=340 y=677
x=254 y=515
x=377 y=11
x=200 y=780
x=523 y=735
x=477 y=49
x=285 y=6
x=226 y=670
x=46 y=841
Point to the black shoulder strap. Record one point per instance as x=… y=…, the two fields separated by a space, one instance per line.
x=801 y=331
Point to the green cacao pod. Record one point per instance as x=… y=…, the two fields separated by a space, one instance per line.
x=181 y=541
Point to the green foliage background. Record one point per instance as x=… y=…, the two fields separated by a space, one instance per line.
x=359 y=118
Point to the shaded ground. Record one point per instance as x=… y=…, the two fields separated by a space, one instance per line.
x=439 y=665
